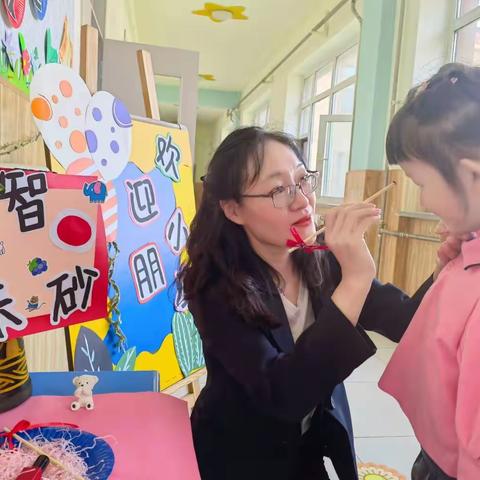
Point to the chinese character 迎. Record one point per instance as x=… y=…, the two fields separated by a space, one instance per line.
x=73 y=292
x=20 y=190
x=141 y=200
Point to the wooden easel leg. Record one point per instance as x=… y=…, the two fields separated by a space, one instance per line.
x=147 y=80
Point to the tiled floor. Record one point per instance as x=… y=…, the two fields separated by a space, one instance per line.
x=383 y=435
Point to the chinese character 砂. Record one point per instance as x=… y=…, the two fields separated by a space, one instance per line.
x=73 y=292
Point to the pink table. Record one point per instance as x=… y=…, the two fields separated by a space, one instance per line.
x=149 y=432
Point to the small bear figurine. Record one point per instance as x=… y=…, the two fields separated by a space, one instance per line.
x=84 y=392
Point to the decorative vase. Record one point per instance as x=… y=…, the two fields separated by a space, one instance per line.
x=15 y=383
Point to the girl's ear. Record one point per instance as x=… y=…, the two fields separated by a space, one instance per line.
x=472 y=166
x=232 y=211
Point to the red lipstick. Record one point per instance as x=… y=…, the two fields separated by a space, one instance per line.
x=303 y=222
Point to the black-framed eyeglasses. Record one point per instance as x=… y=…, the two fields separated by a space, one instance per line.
x=284 y=196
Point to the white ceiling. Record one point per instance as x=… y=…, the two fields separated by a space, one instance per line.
x=235 y=51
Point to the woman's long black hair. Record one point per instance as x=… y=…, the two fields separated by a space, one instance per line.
x=221 y=260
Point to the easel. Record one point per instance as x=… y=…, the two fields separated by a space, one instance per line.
x=89 y=72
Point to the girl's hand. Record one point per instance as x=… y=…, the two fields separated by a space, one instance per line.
x=450 y=247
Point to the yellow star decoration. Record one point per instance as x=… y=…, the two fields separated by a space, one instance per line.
x=219 y=13
x=370 y=471
x=207 y=76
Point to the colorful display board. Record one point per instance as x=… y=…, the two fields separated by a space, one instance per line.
x=155 y=207
x=53 y=255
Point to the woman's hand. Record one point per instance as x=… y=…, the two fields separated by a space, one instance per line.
x=344 y=235
x=450 y=248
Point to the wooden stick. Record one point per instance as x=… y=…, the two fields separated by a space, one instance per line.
x=89 y=57
x=368 y=200
x=147 y=80
x=41 y=452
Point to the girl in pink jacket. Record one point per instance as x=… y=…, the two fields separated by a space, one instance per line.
x=435 y=371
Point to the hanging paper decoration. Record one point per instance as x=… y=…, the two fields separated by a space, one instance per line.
x=26 y=63
x=39 y=8
x=109 y=134
x=53 y=270
x=87 y=135
x=59 y=99
x=35 y=60
x=15 y=10
x=51 y=53
x=10 y=47
x=45 y=36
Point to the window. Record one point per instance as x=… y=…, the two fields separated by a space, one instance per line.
x=466 y=6
x=260 y=117
x=467 y=32
x=326 y=115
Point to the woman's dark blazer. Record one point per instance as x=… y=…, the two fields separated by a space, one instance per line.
x=247 y=421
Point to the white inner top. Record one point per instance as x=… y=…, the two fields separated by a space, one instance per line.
x=300 y=317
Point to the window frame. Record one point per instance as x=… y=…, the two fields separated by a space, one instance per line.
x=314 y=98
x=462 y=21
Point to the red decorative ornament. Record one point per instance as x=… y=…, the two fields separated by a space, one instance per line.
x=74 y=231
x=15 y=10
x=298 y=242
x=24 y=425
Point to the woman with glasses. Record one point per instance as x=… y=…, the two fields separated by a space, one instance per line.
x=281 y=331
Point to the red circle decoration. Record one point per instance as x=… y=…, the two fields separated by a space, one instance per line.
x=74 y=231
x=15 y=10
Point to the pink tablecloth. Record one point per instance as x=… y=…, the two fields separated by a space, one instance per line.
x=152 y=435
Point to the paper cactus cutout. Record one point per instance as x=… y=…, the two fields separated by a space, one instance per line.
x=187 y=342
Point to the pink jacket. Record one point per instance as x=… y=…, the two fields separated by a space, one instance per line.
x=435 y=371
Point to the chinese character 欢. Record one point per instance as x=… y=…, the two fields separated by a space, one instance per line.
x=25 y=195
x=141 y=200
x=73 y=292
x=168 y=158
